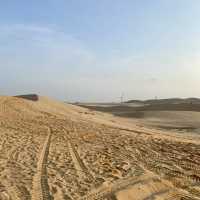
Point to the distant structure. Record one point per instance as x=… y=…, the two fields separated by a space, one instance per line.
x=122 y=98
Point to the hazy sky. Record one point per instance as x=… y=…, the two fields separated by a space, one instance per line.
x=93 y=50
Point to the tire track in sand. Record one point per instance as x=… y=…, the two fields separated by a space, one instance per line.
x=40 y=189
x=106 y=190
x=82 y=171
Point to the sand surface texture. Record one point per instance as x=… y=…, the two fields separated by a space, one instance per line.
x=51 y=150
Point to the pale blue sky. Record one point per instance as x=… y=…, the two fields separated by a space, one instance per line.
x=93 y=50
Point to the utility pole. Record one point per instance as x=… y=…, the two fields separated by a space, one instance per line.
x=122 y=98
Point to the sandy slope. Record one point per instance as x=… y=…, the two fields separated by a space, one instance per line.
x=51 y=150
x=183 y=118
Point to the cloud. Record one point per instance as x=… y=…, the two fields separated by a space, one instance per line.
x=41 y=36
x=25 y=28
x=43 y=47
x=35 y=57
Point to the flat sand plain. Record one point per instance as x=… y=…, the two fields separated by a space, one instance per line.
x=51 y=150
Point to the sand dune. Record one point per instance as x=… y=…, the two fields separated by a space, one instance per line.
x=184 y=117
x=52 y=150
